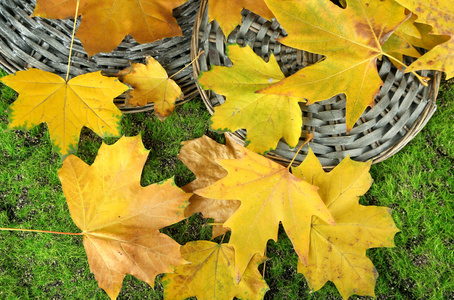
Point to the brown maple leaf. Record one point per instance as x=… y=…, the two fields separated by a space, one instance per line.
x=200 y=156
x=120 y=219
x=106 y=22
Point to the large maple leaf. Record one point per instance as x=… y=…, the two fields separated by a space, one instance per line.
x=106 y=22
x=200 y=156
x=86 y=100
x=211 y=275
x=440 y=15
x=269 y=195
x=120 y=219
x=151 y=84
x=266 y=118
x=338 y=252
x=228 y=13
x=350 y=38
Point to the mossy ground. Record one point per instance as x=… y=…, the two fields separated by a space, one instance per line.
x=417 y=183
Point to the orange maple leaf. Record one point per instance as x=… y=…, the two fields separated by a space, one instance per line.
x=151 y=84
x=120 y=219
x=269 y=195
x=211 y=275
x=350 y=38
x=228 y=13
x=338 y=252
x=106 y=22
x=86 y=100
x=440 y=15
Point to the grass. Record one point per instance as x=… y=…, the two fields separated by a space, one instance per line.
x=417 y=183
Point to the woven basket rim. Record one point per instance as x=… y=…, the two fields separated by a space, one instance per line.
x=417 y=126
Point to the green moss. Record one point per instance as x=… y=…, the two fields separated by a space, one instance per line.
x=417 y=183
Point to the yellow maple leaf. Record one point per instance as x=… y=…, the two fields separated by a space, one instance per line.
x=211 y=275
x=200 y=156
x=269 y=195
x=408 y=28
x=228 y=13
x=440 y=15
x=338 y=252
x=426 y=40
x=266 y=118
x=397 y=46
x=350 y=38
x=151 y=84
x=86 y=100
x=120 y=219
x=105 y=23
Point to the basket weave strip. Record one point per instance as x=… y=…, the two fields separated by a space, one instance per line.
x=44 y=44
x=401 y=110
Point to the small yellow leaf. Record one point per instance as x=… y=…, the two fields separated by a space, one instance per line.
x=269 y=195
x=338 y=252
x=151 y=84
x=120 y=219
x=266 y=118
x=86 y=100
x=211 y=275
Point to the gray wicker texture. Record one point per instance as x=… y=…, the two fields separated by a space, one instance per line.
x=401 y=110
x=44 y=44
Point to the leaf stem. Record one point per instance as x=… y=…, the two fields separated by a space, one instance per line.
x=264 y=263
x=41 y=231
x=423 y=79
x=214 y=224
x=223 y=236
x=309 y=137
x=187 y=64
x=72 y=40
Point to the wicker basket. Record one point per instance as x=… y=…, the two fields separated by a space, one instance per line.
x=401 y=110
x=44 y=44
